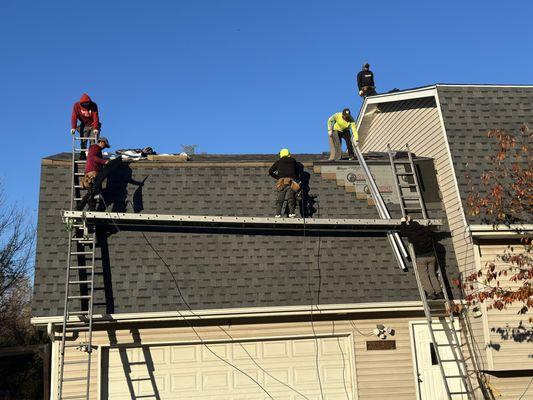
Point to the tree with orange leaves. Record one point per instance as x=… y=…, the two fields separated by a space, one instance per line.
x=504 y=197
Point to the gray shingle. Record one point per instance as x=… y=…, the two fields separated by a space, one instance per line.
x=216 y=270
x=469 y=112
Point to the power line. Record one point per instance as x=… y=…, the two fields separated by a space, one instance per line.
x=309 y=272
x=218 y=326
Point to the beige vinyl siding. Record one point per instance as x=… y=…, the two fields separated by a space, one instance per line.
x=509 y=331
x=371 y=367
x=417 y=123
x=513 y=387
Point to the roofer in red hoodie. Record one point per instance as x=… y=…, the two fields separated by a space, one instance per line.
x=90 y=180
x=85 y=111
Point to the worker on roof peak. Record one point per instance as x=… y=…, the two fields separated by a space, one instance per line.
x=287 y=171
x=339 y=126
x=85 y=111
x=90 y=180
x=365 y=81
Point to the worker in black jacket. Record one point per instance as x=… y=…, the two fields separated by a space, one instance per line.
x=421 y=237
x=365 y=81
x=287 y=172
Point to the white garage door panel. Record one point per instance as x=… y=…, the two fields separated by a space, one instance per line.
x=194 y=372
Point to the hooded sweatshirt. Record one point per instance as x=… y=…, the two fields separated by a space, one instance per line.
x=87 y=116
x=365 y=78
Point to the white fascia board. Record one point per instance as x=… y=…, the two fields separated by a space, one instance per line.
x=500 y=230
x=245 y=312
x=427 y=91
x=482 y=85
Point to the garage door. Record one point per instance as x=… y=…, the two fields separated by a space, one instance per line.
x=194 y=372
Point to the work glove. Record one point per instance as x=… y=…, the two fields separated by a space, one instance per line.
x=360 y=93
x=72 y=131
x=330 y=133
x=95 y=132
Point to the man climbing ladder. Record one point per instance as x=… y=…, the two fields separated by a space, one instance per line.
x=421 y=238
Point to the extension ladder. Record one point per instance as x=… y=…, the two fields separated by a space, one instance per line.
x=456 y=383
x=78 y=304
x=398 y=247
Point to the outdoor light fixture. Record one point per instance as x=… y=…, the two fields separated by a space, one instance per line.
x=381 y=331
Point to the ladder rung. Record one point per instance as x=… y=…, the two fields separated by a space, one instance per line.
x=410 y=197
x=78 y=198
x=445 y=330
x=79 y=397
x=402 y=162
x=455 y=376
x=75 y=362
x=77 y=328
x=404 y=173
x=80 y=161
x=450 y=360
x=83 y=296
x=454 y=393
x=82 y=267
x=76 y=344
x=79 y=173
x=408 y=185
x=80 y=253
x=78 y=313
x=79 y=378
x=447 y=345
x=79 y=282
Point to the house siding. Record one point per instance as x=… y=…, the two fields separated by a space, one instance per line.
x=510 y=333
x=371 y=366
x=418 y=124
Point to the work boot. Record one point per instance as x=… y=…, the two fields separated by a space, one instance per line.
x=292 y=215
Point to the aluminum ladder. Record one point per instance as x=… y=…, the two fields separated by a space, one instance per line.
x=398 y=247
x=78 y=303
x=448 y=350
x=405 y=181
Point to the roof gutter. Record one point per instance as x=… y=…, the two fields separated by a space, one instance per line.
x=249 y=312
x=501 y=231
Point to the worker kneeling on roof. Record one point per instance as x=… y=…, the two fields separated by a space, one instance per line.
x=90 y=180
x=287 y=172
x=339 y=126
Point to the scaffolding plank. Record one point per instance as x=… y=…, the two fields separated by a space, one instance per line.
x=352 y=224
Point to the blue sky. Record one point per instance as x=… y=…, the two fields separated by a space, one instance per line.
x=230 y=76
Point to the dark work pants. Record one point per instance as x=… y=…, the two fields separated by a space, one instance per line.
x=285 y=194
x=347 y=136
x=95 y=189
x=428 y=275
x=87 y=131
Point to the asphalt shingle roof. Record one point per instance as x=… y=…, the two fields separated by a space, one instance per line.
x=217 y=270
x=469 y=112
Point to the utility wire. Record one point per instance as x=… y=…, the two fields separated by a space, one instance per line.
x=218 y=326
x=309 y=273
